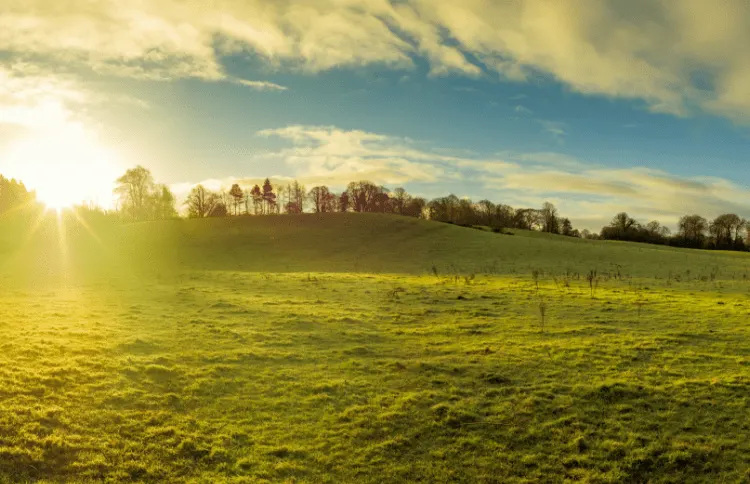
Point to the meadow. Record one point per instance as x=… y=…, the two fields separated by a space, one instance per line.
x=367 y=348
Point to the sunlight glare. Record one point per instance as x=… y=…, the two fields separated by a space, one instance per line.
x=65 y=167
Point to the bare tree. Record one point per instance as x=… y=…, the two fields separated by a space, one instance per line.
x=416 y=207
x=692 y=228
x=318 y=196
x=330 y=202
x=344 y=202
x=550 y=222
x=295 y=197
x=400 y=199
x=527 y=218
x=363 y=196
x=503 y=216
x=163 y=203
x=487 y=210
x=202 y=203
x=725 y=230
x=134 y=189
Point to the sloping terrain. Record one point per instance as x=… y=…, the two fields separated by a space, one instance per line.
x=371 y=243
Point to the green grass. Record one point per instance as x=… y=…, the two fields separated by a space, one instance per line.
x=309 y=349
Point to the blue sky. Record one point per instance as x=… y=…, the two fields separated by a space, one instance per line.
x=598 y=106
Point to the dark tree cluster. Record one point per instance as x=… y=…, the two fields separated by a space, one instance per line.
x=140 y=198
x=463 y=211
x=725 y=232
x=365 y=196
x=13 y=195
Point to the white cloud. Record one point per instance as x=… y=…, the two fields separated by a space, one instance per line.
x=648 y=50
x=342 y=156
x=556 y=129
x=261 y=85
x=35 y=100
x=590 y=194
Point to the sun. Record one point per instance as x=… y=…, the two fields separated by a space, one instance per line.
x=65 y=168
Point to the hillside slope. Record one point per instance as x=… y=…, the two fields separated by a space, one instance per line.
x=345 y=243
x=392 y=244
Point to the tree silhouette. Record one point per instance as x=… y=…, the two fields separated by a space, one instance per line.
x=163 y=203
x=269 y=197
x=725 y=230
x=134 y=188
x=344 y=202
x=692 y=229
x=219 y=209
x=319 y=196
x=527 y=218
x=203 y=203
x=297 y=196
x=13 y=195
x=257 y=195
x=566 y=227
x=237 y=195
x=550 y=222
x=415 y=207
x=487 y=211
x=141 y=199
x=400 y=200
x=363 y=196
x=330 y=202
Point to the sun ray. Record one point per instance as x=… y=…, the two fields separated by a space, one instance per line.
x=87 y=227
x=64 y=167
x=32 y=228
x=62 y=243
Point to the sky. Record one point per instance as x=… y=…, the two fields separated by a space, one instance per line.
x=598 y=106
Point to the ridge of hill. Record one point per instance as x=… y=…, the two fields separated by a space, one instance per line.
x=351 y=242
x=380 y=243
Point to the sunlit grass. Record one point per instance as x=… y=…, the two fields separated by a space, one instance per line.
x=179 y=369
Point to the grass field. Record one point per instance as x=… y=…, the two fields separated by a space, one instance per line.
x=365 y=348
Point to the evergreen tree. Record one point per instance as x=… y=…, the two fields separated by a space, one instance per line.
x=269 y=197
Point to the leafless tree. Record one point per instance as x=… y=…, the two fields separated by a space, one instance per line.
x=134 y=188
x=400 y=200
x=692 y=228
x=201 y=202
x=319 y=196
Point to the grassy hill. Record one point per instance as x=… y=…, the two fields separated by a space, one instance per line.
x=371 y=243
x=391 y=244
x=326 y=349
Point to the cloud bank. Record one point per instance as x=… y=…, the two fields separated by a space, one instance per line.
x=675 y=56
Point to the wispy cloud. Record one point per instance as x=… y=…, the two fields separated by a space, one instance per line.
x=35 y=100
x=340 y=156
x=589 y=193
x=261 y=85
x=523 y=110
x=555 y=128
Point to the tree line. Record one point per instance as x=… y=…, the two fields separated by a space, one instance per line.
x=728 y=231
x=13 y=194
x=141 y=198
